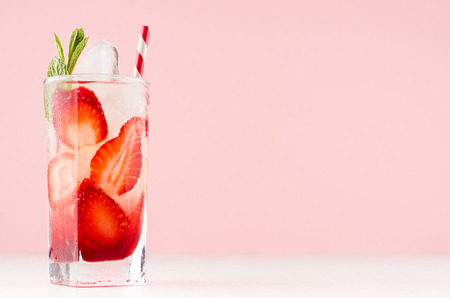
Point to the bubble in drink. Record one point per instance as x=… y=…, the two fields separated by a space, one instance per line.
x=102 y=58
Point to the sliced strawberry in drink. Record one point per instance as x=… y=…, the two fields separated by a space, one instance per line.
x=88 y=249
x=101 y=220
x=126 y=246
x=78 y=117
x=59 y=97
x=61 y=181
x=93 y=252
x=117 y=164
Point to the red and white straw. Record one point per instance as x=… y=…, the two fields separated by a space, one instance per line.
x=141 y=52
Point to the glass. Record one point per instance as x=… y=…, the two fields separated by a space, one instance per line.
x=97 y=144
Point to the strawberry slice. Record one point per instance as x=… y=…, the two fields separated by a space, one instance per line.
x=101 y=220
x=61 y=182
x=78 y=117
x=117 y=164
x=92 y=252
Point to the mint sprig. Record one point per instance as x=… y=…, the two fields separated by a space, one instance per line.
x=75 y=39
x=59 y=48
x=77 y=52
x=57 y=66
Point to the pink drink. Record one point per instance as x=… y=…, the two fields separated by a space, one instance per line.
x=97 y=132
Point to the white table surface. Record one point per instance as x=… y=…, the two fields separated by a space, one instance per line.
x=250 y=276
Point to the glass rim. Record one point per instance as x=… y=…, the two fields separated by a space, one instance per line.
x=95 y=77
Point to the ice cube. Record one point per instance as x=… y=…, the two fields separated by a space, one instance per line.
x=102 y=58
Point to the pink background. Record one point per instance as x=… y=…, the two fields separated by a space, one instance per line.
x=276 y=126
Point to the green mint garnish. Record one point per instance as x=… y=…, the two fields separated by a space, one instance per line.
x=75 y=39
x=77 y=52
x=59 y=48
x=57 y=66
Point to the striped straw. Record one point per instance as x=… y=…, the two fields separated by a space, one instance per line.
x=141 y=52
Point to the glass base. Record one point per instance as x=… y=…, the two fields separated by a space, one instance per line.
x=127 y=272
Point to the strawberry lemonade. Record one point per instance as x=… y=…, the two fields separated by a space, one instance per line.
x=97 y=137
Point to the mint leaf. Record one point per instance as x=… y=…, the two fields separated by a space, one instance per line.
x=75 y=39
x=59 y=48
x=57 y=68
x=76 y=54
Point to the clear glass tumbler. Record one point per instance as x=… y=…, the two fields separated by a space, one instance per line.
x=97 y=141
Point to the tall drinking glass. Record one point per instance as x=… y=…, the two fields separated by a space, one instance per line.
x=97 y=141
